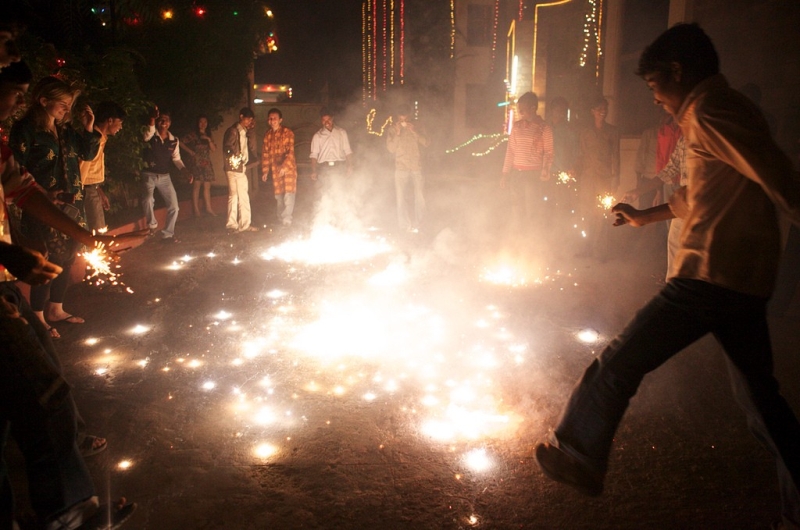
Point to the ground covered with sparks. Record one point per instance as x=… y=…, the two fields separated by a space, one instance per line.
x=326 y=379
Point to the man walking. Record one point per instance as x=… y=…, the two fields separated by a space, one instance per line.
x=719 y=282
x=237 y=156
x=404 y=140
x=278 y=161
x=162 y=152
x=108 y=117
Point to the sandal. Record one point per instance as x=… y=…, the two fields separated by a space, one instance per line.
x=54 y=334
x=68 y=319
x=110 y=517
x=91 y=445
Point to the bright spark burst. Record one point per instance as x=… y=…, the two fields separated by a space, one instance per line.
x=588 y=336
x=124 y=464
x=477 y=460
x=565 y=178
x=606 y=201
x=327 y=246
x=99 y=266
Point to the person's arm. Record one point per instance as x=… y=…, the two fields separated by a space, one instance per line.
x=348 y=153
x=103 y=199
x=615 y=159
x=628 y=215
x=189 y=140
x=547 y=151
x=176 y=156
x=313 y=155
x=289 y=166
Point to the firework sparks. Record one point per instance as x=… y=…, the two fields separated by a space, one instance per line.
x=99 y=266
x=562 y=177
x=607 y=201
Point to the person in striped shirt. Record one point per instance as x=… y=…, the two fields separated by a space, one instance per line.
x=526 y=168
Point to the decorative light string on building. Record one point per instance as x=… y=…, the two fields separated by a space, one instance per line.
x=499 y=139
x=496 y=19
x=371 y=119
x=452 y=28
x=382 y=46
x=592 y=34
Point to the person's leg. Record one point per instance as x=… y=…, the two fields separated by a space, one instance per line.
x=36 y=400
x=244 y=202
x=167 y=191
x=196 y=185
x=233 y=201
x=419 y=197
x=148 y=200
x=288 y=208
x=745 y=338
x=207 y=198
x=401 y=179
x=93 y=205
x=662 y=328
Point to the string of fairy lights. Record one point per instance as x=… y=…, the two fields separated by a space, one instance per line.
x=592 y=34
x=382 y=46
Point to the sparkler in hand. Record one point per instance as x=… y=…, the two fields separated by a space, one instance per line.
x=607 y=201
x=236 y=160
x=562 y=177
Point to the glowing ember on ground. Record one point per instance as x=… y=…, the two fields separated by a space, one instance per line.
x=328 y=246
x=124 y=464
x=477 y=460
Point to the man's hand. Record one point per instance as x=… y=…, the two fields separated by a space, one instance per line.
x=121 y=242
x=187 y=175
x=545 y=175
x=29 y=265
x=154 y=113
x=87 y=118
x=626 y=215
x=104 y=199
x=314 y=176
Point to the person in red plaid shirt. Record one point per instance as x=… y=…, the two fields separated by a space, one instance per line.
x=277 y=159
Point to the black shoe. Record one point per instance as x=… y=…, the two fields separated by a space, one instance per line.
x=561 y=467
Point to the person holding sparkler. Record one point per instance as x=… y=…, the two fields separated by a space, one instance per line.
x=50 y=149
x=36 y=404
x=720 y=281
x=237 y=157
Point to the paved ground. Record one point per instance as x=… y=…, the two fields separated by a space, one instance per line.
x=253 y=381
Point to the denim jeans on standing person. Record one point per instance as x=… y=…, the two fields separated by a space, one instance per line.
x=402 y=178
x=285 y=207
x=162 y=183
x=683 y=312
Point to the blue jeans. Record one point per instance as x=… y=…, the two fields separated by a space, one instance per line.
x=401 y=180
x=36 y=407
x=163 y=183
x=683 y=312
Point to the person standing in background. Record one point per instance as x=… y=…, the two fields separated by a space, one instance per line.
x=404 y=140
x=108 y=122
x=278 y=162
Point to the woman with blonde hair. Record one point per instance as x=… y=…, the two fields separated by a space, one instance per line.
x=50 y=149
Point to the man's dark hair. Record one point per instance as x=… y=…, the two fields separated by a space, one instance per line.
x=528 y=98
x=109 y=110
x=325 y=111
x=685 y=44
x=273 y=110
x=16 y=74
x=599 y=100
x=247 y=112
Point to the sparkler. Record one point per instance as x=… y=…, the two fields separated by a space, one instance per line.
x=606 y=201
x=562 y=177
x=236 y=160
x=98 y=263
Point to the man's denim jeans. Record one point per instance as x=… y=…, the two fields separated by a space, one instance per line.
x=162 y=183
x=683 y=312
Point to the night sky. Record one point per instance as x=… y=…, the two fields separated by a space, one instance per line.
x=319 y=41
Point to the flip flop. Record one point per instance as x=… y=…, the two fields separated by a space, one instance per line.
x=54 y=334
x=109 y=517
x=89 y=446
x=69 y=319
